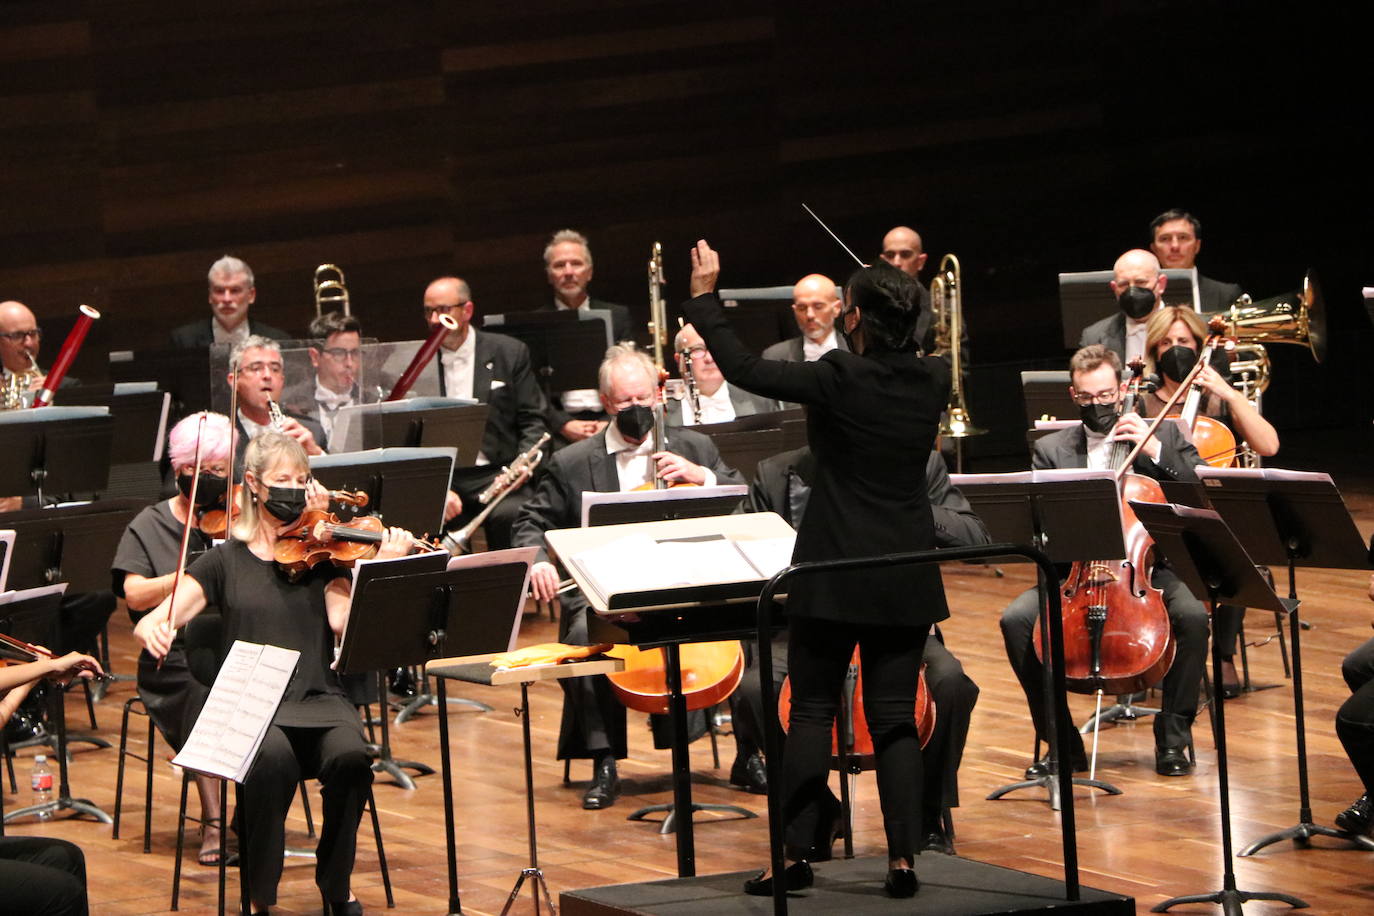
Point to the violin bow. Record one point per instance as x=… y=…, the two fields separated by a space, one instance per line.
x=233 y=439
x=186 y=533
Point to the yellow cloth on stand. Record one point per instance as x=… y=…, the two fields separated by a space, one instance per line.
x=546 y=653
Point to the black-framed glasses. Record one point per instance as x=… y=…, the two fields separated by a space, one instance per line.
x=19 y=337
x=431 y=310
x=1104 y=397
x=342 y=353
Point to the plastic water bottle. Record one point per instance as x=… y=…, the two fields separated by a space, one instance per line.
x=41 y=782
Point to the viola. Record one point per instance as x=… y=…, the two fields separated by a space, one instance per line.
x=322 y=537
x=1117 y=636
x=858 y=742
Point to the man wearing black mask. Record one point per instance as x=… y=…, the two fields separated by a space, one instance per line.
x=1138 y=284
x=618 y=458
x=1097 y=388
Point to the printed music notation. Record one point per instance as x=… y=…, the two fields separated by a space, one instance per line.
x=640 y=563
x=231 y=726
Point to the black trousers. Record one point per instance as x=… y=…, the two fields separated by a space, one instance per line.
x=338 y=757
x=818 y=654
x=42 y=876
x=1174 y=724
x=593 y=719
x=1355 y=718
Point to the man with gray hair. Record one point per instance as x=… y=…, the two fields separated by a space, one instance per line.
x=231 y=293
x=575 y=415
x=261 y=377
x=618 y=458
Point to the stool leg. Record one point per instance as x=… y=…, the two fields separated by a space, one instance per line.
x=119 y=770
x=181 y=840
x=148 y=790
x=381 y=849
x=309 y=819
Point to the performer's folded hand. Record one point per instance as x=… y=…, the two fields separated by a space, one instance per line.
x=544 y=581
x=705 y=269
x=676 y=469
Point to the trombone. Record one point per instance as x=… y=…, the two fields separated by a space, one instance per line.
x=330 y=289
x=946 y=299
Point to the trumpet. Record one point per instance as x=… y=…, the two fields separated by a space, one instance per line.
x=330 y=289
x=512 y=476
x=946 y=299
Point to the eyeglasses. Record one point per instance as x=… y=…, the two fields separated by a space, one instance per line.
x=343 y=353
x=19 y=337
x=258 y=367
x=694 y=352
x=1105 y=396
x=431 y=310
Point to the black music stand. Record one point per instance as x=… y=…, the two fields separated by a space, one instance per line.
x=1288 y=518
x=566 y=347
x=1067 y=520
x=183 y=373
x=1210 y=561
x=1085 y=297
x=415 y=423
x=140 y=413
x=401 y=618
x=33 y=617
x=1046 y=395
x=55 y=450
x=405 y=486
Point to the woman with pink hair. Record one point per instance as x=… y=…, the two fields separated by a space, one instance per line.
x=143 y=571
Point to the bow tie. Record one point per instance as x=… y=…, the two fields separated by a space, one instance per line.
x=332 y=401
x=644 y=448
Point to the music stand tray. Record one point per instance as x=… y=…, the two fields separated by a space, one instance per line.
x=55 y=450
x=405 y=486
x=71 y=544
x=469 y=606
x=1206 y=556
x=660 y=505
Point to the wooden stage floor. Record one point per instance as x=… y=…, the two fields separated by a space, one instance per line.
x=1158 y=840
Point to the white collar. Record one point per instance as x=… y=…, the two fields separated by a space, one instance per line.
x=617 y=444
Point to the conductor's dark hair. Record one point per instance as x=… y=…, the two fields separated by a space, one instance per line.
x=889 y=304
x=334 y=323
x=1168 y=216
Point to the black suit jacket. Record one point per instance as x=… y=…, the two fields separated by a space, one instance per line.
x=1214 y=295
x=503 y=379
x=746 y=404
x=782 y=484
x=585 y=466
x=1110 y=332
x=867 y=417
x=1068 y=448
x=201 y=333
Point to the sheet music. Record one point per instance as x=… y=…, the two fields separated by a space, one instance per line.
x=768 y=555
x=241 y=705
x=637 y=563
x=24 y=594
x=669 y=494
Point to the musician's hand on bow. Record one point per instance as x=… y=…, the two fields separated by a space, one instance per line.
x=74 y=664
x=396 y=542
x=676 y=469
x=1132 y=428
x=155 y=632
x=705 y=269
x=305 y=437
x=544 y=581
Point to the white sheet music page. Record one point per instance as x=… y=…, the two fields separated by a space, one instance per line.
x=240 y=707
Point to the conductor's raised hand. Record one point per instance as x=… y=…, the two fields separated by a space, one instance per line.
x=705 y=269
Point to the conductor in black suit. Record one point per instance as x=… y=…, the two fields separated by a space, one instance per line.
x=1138 y=284
x=232 y=291
x=577 y=414
x=494 y=370
x=1097 y=388
x=619 y=458
x=869 y=411
x=1176 y=239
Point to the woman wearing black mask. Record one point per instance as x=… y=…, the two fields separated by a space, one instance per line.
x=316 y=731
x=1174 y=337
x=142 y=573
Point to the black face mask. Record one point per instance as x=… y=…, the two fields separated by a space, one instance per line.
x=210 y=492
x=1136 y=301
x=1177 y=362
x=1100 y=418
x=285 y=504
x=635 y=422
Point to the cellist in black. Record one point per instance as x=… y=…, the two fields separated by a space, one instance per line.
x=1097 y=387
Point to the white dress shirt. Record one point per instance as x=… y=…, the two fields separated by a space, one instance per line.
x=458 y=366
x=330 y=403
x=220 y=335
x=632 y=462
x=1135 y=340
x=251 y=429
x=715 y=408
x=812 y=351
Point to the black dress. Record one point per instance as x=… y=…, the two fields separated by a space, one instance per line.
x=150 y=547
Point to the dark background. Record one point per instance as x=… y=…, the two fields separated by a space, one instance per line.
x=140 y=140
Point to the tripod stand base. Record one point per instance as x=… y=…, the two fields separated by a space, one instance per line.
x=537 y=884
x=670 y=823
x=1302 y=834
x=1051 y=783
x=415 y=704
x=396 y=769
x=1231 y=900
x=1127 y=711
x=79 y=805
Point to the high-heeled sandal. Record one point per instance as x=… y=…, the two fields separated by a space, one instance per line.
x=797 y=876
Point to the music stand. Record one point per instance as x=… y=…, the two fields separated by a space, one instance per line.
x=140 y=413
x=1069 y=516
x=413 y=423
x=1046 y=395
x=185 y=373
x=1290 y=518
x=660 y=505
x=405 y=486
x=743 y=449
x=55 y=449
x=401 y=618
x=566 y=346
x=1086 y=297
x=1206 y=556
x=33 y=616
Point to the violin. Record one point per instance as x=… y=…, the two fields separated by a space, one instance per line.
x=215 y=520
x=321 y=537
x=17 y=652
x=858 y=742
x=1117 y=636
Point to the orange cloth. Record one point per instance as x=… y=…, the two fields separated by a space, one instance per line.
x=546 y=653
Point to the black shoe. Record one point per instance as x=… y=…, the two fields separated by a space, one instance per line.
x=750 y=774
x=936 y=841
x=901 y=882
x=347 y=908
x=401 y=683
x=1171 y=761
x=797 y=877
x=605 y=787
x=1358 y=817
x=1041 y=768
